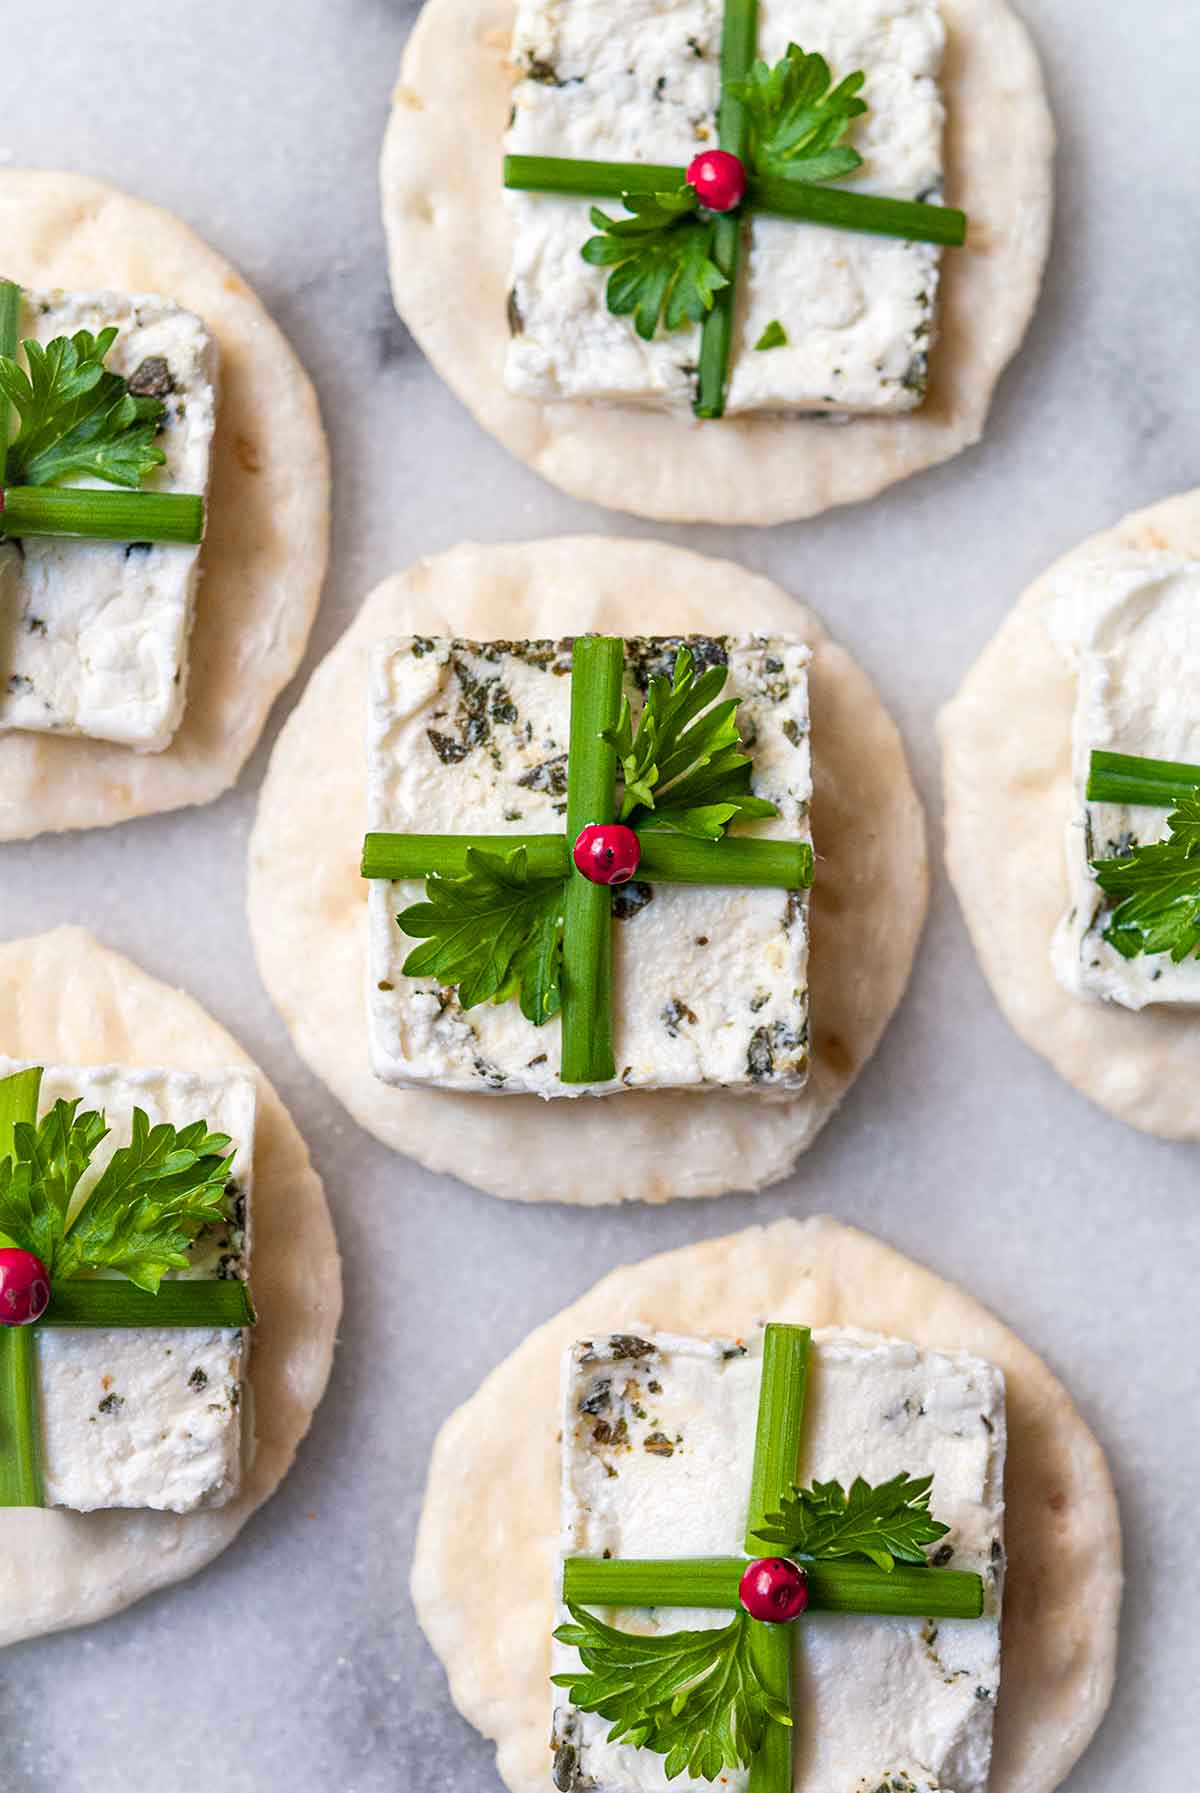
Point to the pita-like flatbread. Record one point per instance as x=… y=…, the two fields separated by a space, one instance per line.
x=488 y=1608
x=308 y=908
x=65 y=998
x=1009 y=797
x=268 y=526
x=450 y=241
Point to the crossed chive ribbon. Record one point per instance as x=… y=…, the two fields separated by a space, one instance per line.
x=799 y=200
x=597 y=676
x=102 y=1303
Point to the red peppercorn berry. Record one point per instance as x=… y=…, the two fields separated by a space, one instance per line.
x=24 y=1287
x=774 y=1589
x=719 y=179
x=607 y=852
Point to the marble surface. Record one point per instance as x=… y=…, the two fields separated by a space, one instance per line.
x=295 y=1661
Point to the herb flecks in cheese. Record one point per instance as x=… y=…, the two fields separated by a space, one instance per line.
x=880 y=1702
x=93 y=635
x=682 y=1015
x=641 y=85
x=1128 y=624
x=150 y=1417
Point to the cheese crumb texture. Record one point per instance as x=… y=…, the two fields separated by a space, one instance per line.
x=640 y=82
x=710 y=984
x=94 y=635
x=1128 y=625
x=144 y=1417
x=658 y=1448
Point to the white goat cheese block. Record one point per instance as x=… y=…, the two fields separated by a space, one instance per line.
x=710 y=984
x=150 y=1417
x=94 y=635
x=1128 y=625
x=658 y=1447
x=640 y=82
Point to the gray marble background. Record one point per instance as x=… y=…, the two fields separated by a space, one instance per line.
x=295 y=1661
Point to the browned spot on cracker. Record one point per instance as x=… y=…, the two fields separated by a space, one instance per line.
x=247 y=455
x=404 y=96
x=835 y=1053
x=1057 y=1502
x=234 y=285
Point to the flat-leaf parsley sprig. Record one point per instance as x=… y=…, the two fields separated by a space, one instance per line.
x=661 y=260
x=1155 y=889
x=885 y=1524
x=797 y=118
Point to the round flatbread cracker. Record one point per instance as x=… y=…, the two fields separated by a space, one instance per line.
x=65 y=998
x=488 y=1609
x=308 y=908
x=1009 y=796
x=450 y=243
x=268 y=530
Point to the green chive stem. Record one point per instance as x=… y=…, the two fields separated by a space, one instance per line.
x=597 y=675
x=1126 y=778
x=98 y=516
x=902 y=1592
x=771 y=1652
x=838 y=208
x=777 y=1434
x=739 y=36
x=111 y=1303
x=20 y=1442
x=10 y=326
x=666 y=858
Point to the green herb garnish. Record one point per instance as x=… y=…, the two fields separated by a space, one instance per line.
x=150 y=1202
x=886 y=1524
x=796 y=118
x=683 y=766
x=78 y=418
x=696 y=1697
x=661 y=260
x=495 y=932
x=773 y=337
x=1157 y=891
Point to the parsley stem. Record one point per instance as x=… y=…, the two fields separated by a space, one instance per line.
x=102 y=516
x=597 y=673
x=911 y=220
x=10 y=323
x=20 y=1425
x=1126 y=778
x=777 y=1434
x=667 y=858
x=20 y=1444
x=112 y=1302
x=902 y=1592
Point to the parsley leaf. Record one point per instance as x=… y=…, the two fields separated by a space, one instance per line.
x=887 y=1524
x=797 y=119
x=683 y=766
x=661 y=259
x=147 y=1206
x=773 y=337
x=694 y=1697
x=495 y=932
x=77 y=417
x=1157 y=891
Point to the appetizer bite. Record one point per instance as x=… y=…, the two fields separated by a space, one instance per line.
x=151 y=417
x=1095 y=956
x=783 y=1549
x=718 y=212
x=138 y=1151
x=588 y=860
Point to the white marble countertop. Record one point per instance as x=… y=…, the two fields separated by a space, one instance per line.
x=296 y=1661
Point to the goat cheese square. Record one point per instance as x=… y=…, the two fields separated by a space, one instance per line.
x=640 y=82
x=94 y=635
x=151 y=1417
x=658 y=1446
x=710 y=985
x=1128 y=626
